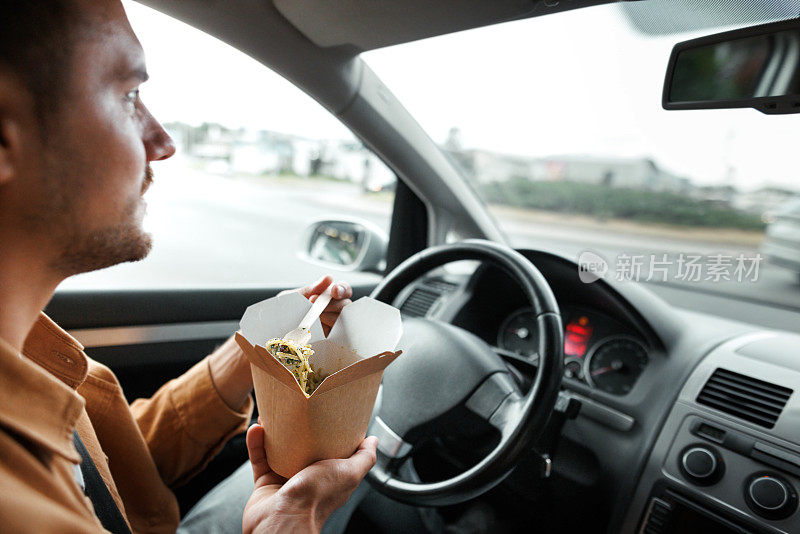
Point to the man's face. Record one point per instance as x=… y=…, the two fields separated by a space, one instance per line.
x=97 y=149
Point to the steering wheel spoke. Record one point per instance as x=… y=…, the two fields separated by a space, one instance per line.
x=390 y=444
x=529 y=360
x=496 y=401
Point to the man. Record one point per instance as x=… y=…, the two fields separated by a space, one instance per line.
x=76 y=142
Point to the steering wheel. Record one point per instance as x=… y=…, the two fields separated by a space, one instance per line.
x=445 y=369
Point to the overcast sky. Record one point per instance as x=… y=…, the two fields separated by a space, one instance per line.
x=581 y=82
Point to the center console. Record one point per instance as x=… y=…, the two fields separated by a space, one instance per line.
x=728 y=457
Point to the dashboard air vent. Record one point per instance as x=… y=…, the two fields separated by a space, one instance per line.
x=422 y=298
x=744 y=397
x=419 y=302
x=441 y=286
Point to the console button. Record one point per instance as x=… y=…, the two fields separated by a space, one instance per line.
x=770 y=496
x=701 y=464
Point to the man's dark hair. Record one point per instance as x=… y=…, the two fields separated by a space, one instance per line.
x=36 y=44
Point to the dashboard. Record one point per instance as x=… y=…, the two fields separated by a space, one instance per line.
x=608 y=345
x=598 y=350
x=648 y=376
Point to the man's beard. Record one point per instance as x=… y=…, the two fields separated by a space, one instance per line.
x=125 y=242
x=148 y=178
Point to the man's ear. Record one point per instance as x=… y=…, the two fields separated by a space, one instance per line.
x=14 y=106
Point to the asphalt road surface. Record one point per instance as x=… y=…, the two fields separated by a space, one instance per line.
x=215 y=231
x=757 y=280
x=212 y=231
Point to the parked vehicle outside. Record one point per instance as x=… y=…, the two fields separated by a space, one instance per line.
x=781 y=244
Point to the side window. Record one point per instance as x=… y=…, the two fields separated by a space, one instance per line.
x=257 y=162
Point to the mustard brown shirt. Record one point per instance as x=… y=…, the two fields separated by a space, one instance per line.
x=141 y=450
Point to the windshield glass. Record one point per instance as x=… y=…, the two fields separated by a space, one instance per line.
x=557 y=124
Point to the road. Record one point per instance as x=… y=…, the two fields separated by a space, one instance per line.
x=766 y=283
x=213 y=231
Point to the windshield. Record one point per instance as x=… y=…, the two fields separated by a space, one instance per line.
x=557 y=124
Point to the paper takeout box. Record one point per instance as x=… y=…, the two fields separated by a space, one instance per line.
x=333 y=421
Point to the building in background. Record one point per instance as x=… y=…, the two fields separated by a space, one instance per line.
x=483 y=166
x=237 y=152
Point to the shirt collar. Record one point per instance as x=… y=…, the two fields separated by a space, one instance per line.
x=37 y=392
x=58 y=352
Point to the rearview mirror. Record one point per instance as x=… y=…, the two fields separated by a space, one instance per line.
x=757 y=67
x=346 y=245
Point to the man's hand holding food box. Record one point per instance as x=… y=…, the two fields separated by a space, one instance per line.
x=314 y=400
x=230 y=369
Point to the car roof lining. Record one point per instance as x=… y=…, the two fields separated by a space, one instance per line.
x=665 y=17
x=370 y=24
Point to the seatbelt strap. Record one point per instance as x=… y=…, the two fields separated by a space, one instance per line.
x=104 y=506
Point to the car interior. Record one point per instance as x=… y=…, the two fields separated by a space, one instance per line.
x=526 y=399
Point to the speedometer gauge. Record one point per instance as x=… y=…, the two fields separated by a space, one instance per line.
x=518 y=333
x=614 y=364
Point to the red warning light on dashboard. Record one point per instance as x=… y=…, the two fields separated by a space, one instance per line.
x=576 y=337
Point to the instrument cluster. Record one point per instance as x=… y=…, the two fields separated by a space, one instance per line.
x=598 y=350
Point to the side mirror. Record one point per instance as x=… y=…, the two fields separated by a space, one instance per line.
x=346 y=245
x=756 y=67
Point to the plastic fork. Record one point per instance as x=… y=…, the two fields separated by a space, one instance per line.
x=302 y=334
